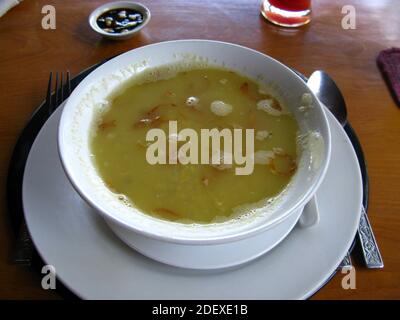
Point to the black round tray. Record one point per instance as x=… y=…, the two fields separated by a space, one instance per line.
x=28 y=136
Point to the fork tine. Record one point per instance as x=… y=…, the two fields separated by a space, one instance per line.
x=48 y=95
x=55 y=100
x=61 y=89
x=68 y=84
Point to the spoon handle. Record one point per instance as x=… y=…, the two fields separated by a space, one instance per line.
x=346 y=262
x=372 y=256
x=310 y=215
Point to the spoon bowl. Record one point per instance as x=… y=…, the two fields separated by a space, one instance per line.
x=328 y=92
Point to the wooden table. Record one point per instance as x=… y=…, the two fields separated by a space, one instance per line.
x=28 y=53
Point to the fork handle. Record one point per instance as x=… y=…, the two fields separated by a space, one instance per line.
x=23 y=252
x=372 y=256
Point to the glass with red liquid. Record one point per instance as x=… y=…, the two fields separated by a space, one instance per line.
x=287 y=13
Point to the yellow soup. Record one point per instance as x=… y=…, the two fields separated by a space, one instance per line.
x=203 y=98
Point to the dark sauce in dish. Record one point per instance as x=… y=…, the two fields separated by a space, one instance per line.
x=120 y=20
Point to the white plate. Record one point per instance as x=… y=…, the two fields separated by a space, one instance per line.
x=94 y=264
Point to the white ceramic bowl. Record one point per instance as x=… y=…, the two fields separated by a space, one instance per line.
x=89 y=96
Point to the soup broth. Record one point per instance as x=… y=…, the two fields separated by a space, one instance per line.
x=203 y=98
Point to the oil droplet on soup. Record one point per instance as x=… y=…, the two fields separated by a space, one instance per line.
x=193 y=192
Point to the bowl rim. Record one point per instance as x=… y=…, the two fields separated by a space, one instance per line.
x=300 y=202
x=92 y=19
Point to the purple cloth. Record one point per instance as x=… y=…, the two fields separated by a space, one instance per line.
x=389 y=63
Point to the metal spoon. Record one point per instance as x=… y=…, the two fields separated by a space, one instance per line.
x=328 y=93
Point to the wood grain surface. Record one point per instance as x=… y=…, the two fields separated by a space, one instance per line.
x=28 y=53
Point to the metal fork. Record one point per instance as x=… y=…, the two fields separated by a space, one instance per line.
x=61 y=93
x=24 y=249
